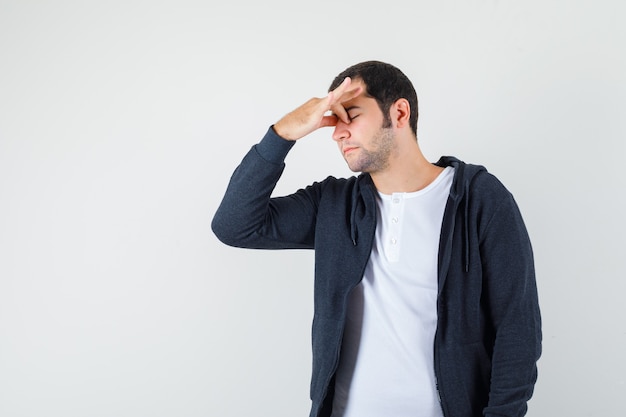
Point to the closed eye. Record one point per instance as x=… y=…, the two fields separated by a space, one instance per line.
x=352 y=112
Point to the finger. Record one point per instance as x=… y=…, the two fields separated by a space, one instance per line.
x=340 y=112
x=340 y=90
x=345 y=92
x=344 y=85
x=331 y=104
x=351 y=93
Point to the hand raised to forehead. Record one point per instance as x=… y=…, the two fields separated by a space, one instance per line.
x=312 y=115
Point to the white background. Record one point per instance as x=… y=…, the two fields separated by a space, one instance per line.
x=121 y=122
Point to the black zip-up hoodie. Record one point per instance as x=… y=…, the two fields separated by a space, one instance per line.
x=488 y=337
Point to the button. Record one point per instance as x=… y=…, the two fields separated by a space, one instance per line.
x=394 y=241
x=394 y=219
x=396 y=200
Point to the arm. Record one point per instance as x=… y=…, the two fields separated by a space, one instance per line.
x=247 y=216
x=512 y=302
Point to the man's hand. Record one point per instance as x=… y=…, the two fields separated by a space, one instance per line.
x=312 y=114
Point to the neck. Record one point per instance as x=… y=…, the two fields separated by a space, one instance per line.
x=408 y=170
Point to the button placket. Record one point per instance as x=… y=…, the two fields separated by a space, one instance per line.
x=393 y=245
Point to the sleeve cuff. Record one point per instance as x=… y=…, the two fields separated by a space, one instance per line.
x=274 y=148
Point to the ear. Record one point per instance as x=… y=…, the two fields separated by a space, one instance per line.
x=400 y=113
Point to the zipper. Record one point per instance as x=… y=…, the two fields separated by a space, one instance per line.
x=443 y=411
x=338 y=350
x=436 y=364
x=343 y=322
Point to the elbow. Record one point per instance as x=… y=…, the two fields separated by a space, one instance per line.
x=222 y=231
x=229 y=232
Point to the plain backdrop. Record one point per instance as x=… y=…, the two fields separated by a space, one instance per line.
x=122 y=121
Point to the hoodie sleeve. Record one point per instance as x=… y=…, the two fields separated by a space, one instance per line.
x=248 y=217
x=512 y=302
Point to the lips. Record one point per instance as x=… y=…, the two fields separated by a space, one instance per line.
x=348 y=149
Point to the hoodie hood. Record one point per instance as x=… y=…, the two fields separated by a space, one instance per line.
x=362 y=197
x=464 y=175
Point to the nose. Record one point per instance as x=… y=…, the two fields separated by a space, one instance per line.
x=341 y=131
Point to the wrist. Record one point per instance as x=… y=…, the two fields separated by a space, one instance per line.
x=282 y=132
x=274 y=148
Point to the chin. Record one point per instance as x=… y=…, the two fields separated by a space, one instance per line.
x=357 y=169
x=353 y=168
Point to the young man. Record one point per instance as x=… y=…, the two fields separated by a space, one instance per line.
x=425 y=295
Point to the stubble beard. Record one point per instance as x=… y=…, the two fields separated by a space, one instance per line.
x=376 y=158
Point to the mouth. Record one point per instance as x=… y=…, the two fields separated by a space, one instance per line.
x=346 y=150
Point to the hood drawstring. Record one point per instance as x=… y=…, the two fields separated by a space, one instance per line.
x=355 y=203
x=464 y=175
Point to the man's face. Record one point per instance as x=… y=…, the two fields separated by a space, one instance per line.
x=364 y=143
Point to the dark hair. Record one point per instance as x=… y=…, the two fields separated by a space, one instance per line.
x=386 y=84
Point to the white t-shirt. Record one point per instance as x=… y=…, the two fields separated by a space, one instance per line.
x=386 y=366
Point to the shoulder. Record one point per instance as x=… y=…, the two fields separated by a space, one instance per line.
x=494 y=204
x=485 y=184
x=473 y=179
